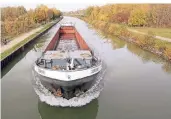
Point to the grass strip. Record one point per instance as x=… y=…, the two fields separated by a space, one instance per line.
x=9 y=51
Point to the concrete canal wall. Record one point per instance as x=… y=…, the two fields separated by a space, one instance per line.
x=10 y=56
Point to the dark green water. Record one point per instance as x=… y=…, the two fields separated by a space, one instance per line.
x=137 y=84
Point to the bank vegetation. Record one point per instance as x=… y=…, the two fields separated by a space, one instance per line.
x=18 y=20
x=115 y=19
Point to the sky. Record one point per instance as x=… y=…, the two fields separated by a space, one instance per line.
x=70 y=5
x=63 y=5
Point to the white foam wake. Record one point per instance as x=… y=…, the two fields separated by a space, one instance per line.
x=46 y=96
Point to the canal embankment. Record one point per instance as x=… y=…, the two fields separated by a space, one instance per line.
x=14 y=49
x=147 y=41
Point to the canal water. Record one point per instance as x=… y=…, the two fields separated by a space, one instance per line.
x=137 y=84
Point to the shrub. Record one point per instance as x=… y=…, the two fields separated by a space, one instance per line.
x=111 y=28
x=160 y=45
x=149 y=40
x=167 y=53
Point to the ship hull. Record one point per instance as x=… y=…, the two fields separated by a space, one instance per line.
x=68 y=83
x=67 y=66
x=69 y=89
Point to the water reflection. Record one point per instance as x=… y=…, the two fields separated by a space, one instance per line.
x=145 y=56
x=36 y=45
x=16 y=59
x=11 y=64
x=88 y=111
x=39 y=45
x=148 y=56
x=167 y=67
x=116 y=42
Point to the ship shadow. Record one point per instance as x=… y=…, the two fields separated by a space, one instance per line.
x=88 y=111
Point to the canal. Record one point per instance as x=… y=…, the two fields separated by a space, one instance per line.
x=137 y=84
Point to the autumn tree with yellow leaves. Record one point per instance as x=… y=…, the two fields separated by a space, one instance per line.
x=17 y=20
x=114 y=18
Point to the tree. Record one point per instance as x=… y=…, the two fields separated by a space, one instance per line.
x=137 y=18
x=16 y=20
x=11 y=13
x=121 y=17
x=56 y=13
x=88 y=11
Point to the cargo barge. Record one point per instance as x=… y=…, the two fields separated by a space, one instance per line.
x=68 y=66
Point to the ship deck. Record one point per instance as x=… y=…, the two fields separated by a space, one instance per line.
x=67 y=44
x=67 y=38
x=66 y=47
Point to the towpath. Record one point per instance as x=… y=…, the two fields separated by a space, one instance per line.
x=158 y=37
x=19 y=39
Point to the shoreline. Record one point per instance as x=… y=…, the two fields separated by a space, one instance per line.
x=10 y=53
x=23 y=42
x=134 y=41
